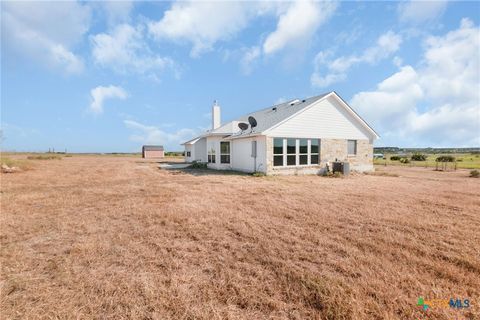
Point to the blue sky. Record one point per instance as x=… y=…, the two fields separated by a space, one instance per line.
x=112 y=76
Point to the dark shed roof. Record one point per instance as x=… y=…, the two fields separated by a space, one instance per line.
x=152 y=148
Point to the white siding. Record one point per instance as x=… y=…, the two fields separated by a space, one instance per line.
x=327 y=119
x=200 y=150
x=189 y=148
x=241 y=155
x=214 y=142
x=261 y=154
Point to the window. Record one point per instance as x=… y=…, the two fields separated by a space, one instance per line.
x=291 y=152
x=303 y=150
x=211 y=155
x=352 y=147
x=225 y=152
x=314 y=151
x=278 y=152
x=295 y=152
x=188 y=153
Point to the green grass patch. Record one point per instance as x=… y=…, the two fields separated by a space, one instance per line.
x=174 y=154
x=258 y=174
x=464 y=161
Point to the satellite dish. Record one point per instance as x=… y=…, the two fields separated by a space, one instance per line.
x=252 y=121
x=243 y=126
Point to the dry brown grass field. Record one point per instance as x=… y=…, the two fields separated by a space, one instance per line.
x=117 y=238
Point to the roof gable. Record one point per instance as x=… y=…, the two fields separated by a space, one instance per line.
x=359 y=120
x=271 y=116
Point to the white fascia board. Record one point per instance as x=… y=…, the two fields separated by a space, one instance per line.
x=244 y=136
x=206 y=135
x=192 y=141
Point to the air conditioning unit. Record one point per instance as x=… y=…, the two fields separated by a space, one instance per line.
x=343 y=167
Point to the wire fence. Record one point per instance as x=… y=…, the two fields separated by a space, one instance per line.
x=437 y=165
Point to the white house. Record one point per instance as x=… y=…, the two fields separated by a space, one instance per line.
x=295 y=137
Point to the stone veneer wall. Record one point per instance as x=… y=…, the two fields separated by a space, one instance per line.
x=330 y=149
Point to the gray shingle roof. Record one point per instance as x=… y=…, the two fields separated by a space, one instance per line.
x=152 y=148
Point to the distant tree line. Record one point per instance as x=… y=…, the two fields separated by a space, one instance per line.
x=397 y=150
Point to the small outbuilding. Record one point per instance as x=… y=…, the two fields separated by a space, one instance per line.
x=150 y=152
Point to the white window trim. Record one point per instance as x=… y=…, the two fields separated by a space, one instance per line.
x=356 y=148
x=212 y=152
x=318 y=153
x=303 y=154
x=283 y=154
x=297 y=153
x=226 y=154
x=286 y=154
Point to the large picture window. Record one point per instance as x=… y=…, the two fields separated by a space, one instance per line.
x=291 y=152
x=211 y=155
x=303 y=152
x=278 y=152
x=296 y=152
x=225 y=152
x=314 y=151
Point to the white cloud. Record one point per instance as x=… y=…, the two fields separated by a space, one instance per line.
x=147 y=134
x=46 y=32
x=421 y=11
x=249 y=58
x=201 y=23
x=100 y=94
x=291 y=32
x=298 y=24
x=67 y=59
x=394 y=99
x=336 y=69
x=438 y=103
x=124 y=50
x=116 y=12
x=397 y=61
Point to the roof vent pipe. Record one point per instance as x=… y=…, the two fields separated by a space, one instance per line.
x=294 y=101
x=216 y=122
